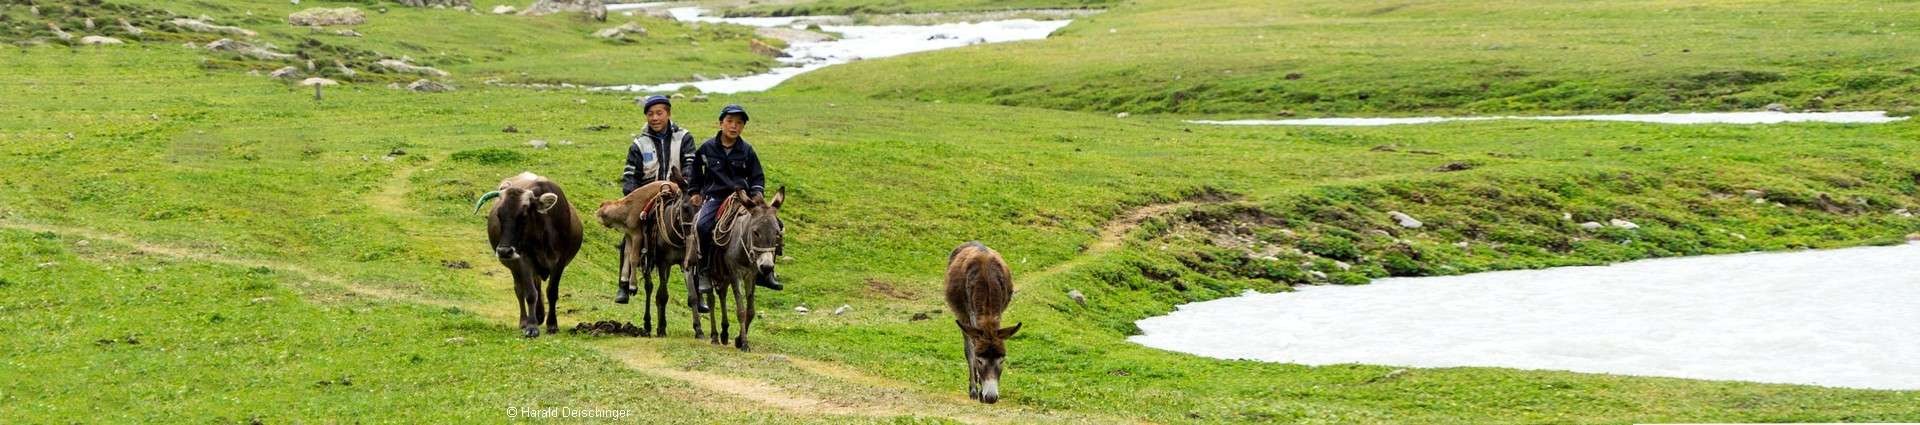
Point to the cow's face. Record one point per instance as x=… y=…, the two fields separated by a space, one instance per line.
x=519 y=209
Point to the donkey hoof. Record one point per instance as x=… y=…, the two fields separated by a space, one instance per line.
x=662 y=332
x=553 y=329
x=532 y=332
x=741 y=343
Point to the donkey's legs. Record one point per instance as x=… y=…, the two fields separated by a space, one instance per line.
x=744 y=309
x=973 y=376
x=726 y=323
x=694 y=297
x=660 y=299
x=646 y=299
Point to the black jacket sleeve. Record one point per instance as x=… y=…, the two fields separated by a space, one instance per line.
x=756 y=177
x=697 y=173
x=636 y=164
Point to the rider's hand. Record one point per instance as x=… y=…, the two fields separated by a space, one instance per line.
x=697 y=199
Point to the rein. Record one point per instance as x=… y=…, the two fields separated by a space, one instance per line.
x=667 y=220
x=723 y=228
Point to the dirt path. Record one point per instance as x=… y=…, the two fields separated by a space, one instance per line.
x=1113 y=233
x=855 y=393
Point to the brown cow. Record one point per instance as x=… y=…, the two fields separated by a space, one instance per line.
x=535 y=233
x=979 y=286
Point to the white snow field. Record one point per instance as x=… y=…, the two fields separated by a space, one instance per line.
x=1765 y=117
x=1839 y=318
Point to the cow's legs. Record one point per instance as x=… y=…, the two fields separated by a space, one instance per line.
x=529 y=313
x=553 y=299
x=626 y=270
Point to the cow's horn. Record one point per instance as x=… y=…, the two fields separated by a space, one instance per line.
x=483 y=200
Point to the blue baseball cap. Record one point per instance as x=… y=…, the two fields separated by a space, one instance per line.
x=655 y=99
x=734 y=109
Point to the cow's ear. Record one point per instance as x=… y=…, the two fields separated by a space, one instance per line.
x=547 y=201
x=779 y=197
x=1008 y=332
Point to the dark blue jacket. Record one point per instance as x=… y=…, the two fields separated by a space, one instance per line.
x=717 y=172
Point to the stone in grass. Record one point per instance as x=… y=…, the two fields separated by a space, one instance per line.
x=95 y=40
x=842 y=310
x=428 y=86
x=322 y=16
x=401 y=66
x=1077 y=297
x=622 y=30
x=1405 y=220
x=287 y=72
x=1623 y=224
x=1591 y=225
x=537 y=143
x=801 y=309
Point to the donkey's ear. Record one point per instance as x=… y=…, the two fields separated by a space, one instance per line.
x=779 y=196
x=1008 y=332
x=968 y=330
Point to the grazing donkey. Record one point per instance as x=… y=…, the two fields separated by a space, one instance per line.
x=978 y=289
x=748 y=236
x=658 y=218
x=535 y=233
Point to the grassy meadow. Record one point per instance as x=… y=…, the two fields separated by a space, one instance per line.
x=184 y=242
x=1323 y=58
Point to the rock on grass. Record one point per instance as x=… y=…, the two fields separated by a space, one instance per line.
x=321 y=16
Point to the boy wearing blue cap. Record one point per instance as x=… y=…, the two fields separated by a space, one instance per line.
x=721 y=166
x=657 y=153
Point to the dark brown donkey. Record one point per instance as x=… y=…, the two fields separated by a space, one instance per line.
x=748 y=235
x=658 y=218
x=535 y=234
x=979 y=286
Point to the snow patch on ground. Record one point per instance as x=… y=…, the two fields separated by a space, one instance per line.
x=856 y=42
x=1768 y=117
x=1840 y=318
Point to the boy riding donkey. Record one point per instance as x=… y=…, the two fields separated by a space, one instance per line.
x=661 y=150
x=722 y=166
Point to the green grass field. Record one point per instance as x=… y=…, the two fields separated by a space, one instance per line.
x=1314 y=58
x=189 y=243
